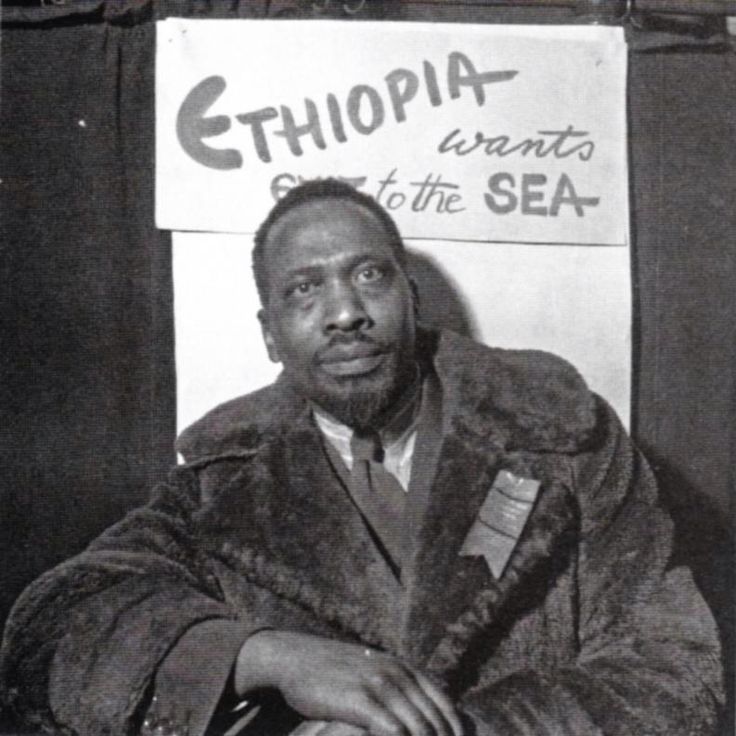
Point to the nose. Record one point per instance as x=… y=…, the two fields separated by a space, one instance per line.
x=344 y=310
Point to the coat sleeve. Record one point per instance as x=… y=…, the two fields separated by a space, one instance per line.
x=84 y=642
x=648 y=656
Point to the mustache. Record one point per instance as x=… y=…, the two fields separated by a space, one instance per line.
x=341 y=342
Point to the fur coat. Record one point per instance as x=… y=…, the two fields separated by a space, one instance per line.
x=587 y=631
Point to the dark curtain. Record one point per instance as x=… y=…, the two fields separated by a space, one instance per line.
x=87 y=402
x=88 y=385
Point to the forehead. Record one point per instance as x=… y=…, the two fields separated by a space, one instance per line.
x=325 y=229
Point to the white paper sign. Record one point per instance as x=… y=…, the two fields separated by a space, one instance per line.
x=472 y=133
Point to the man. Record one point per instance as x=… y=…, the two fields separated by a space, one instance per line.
x=408 y=533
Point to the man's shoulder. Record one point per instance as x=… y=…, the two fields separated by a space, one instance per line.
x=538 y=400
x=239 y=425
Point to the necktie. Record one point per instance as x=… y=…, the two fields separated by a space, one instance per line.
x=380 y=494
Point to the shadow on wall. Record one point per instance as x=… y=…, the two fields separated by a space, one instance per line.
x=441 y=304
x=704 y=542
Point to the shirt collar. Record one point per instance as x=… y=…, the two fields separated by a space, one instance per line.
x=395 y=435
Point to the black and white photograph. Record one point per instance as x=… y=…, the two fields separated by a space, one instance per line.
x=367 y=367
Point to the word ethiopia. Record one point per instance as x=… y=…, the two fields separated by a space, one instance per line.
x=363 y=111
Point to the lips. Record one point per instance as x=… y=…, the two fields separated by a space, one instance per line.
x=352 y=360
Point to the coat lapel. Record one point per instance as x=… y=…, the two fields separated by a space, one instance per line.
x=451 y=596
x=440 y=581
x=285 y=521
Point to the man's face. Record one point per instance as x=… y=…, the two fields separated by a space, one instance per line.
x=340 y=311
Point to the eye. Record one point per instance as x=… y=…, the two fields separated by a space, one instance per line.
x=370 y=273
x=301 y=288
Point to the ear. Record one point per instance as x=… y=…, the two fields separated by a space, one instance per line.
x=273 y=352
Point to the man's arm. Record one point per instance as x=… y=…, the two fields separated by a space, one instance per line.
x=84 y=641
x=649 y=658
x=330 y=680
x=136 y=633
x=347 y=688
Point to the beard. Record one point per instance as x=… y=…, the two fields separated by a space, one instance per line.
x=361 y=401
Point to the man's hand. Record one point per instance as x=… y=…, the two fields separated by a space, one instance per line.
x=333 y=681
x=324 y=728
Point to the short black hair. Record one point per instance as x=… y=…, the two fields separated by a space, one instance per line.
x=311 y=191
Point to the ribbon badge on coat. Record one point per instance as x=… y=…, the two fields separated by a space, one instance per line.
x=501 y=520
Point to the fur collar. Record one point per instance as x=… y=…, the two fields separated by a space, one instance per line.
x=520 y=398
x=522 y=411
